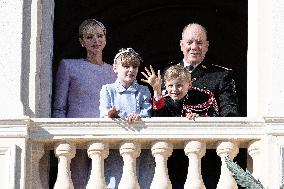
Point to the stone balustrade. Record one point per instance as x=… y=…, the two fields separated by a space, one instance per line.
x=159 y=135
x=99 y=136
x=130 y=150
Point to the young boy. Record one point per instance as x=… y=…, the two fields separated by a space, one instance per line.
x=181 y=100
x=177 y=82
x=125 y=98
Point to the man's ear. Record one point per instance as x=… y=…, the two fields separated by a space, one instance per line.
x=181 y=44
x=207 y=46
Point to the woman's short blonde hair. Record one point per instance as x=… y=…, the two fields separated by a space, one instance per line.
x=88 y=23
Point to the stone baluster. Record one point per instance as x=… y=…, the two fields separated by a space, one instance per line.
x=226 y=180
x=64 y=152
x=161 y=151
x=254 y=150
x=37 y=153
x=97 y=151
x=195 y=150
x=129 y=152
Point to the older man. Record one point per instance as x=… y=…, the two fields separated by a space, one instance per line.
x=217 y=79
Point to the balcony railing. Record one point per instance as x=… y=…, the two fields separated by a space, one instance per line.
x=161 y=136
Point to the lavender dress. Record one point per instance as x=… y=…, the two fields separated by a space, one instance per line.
x=77 y=94
x=78 y=85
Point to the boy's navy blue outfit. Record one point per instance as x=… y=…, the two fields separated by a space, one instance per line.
x=220 y=82
x=197 y=100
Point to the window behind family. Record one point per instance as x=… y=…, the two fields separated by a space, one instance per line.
x=154 y=30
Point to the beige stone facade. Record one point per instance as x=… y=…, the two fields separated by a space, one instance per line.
x=27 y=133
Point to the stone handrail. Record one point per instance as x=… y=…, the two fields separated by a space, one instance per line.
x=161 y=135
x=148 y=128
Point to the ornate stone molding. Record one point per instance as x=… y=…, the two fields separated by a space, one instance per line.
x=9 y=166
x=148 y=128
x=14 y=128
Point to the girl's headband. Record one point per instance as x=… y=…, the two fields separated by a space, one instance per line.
x=127 y=50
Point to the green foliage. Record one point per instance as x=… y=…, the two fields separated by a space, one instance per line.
x=243 y=178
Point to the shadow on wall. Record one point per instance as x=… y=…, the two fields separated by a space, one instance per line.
x=25 y=69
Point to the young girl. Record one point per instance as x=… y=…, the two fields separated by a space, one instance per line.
x=125 y=98
x=128 y=100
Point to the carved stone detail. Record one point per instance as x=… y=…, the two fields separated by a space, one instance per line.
x=226 y=180
x=254 y=151
x=161 y=151
x=195 y=150
x=97 y=151
x=129 y=151
x=37 y=153
x=64 y=152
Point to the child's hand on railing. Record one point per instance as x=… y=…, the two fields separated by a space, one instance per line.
x=113 y=113
x=132 y=117
x=191 y=116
